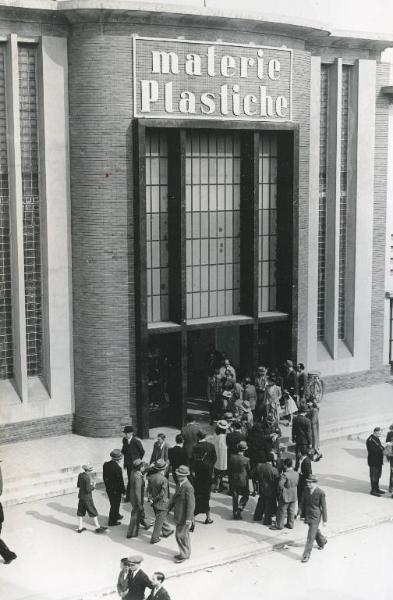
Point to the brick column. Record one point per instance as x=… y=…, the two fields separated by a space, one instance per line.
x=100 y=89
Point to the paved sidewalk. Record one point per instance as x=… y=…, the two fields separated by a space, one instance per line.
x=54 y=562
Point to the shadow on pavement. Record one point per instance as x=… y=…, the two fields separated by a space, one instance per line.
x=341 y=482
x=51 y=520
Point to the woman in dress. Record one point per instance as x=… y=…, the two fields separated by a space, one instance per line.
x=220 y=444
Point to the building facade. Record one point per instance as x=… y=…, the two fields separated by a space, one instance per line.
x=174 y=181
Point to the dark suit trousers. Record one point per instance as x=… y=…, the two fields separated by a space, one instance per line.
x=114 y=500
x=137 y=517
x=183 y=540
x=313 y=534
x=128 y=469
x=240 y=498
x=161 y=526
x=375 y=474
x=265 y=509
x=286 y=509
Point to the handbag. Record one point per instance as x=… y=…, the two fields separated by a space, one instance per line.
x=388 y=450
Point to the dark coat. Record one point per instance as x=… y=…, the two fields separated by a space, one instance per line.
x=205 y=450
x=159 y=451
x=291 y=383
x=301 y=430
x=177 y=456
x=113 y=477
x=190 y=436
x=183 y=503
x=85 y=485
x=268 y=477
x=313 y=505
x=287 y=486
x=162 y=594
x=1 y=515
x=374 y=451
x=302 y=384
x=158 y=489
x=131 y=450
x=256 y=446
x=137 y=586
x=239 y=471
x=233 y=438
x=137 y=488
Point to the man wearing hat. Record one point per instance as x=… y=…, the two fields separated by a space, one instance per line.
x=159 y=592
x=86 y=504
x=313 y=508
x=137 y=496
x=267 y=477
x=158 y=492
x=301 y=430
x=132 y=449
x=132 y=581
x=114 y=485
x=375 y=460
x=239 y=473
x=183 y=504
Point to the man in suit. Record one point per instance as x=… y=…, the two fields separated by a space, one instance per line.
x=160 y=449
x=177 y=456
x=290 y=380
x=114 y=485
x=190 y=433
x=267 y=477
x=301 y=430
x=239 y=474
x=137 y=498
x=183 y=503
x=304 y=468
x=234 y=437
x=287 y=496
x=132 y=581
x=313 y=508
x=375 y=460
x=158 y=492
x=158 y=593
x=132 y=449
x=301 y=381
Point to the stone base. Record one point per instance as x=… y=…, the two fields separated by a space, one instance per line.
x=35 y=429
x=101 y=427
x=357 y=379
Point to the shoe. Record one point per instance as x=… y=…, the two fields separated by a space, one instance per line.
x=101 y=529
x=208 y=521
x=321 y=547
x=288 y=526
x=13 y=557
x=305 y=558
x=146 y=525
x=275 y=528
x=381 y=491
x=155 y=541
x=81 y=529
x=120 y=517
x=180 y=559
x=168 y=534
x=114 y=524
x=192 y=527
x=375 y=494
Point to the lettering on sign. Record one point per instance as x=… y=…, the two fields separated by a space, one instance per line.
x=189 y=79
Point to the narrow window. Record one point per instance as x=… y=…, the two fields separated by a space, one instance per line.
x=157 y=225
x=6 y=355
x=31 y=205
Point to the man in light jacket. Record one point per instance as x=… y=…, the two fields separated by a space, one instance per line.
x=183 y=503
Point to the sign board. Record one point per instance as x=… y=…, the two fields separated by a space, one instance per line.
x=211 y=80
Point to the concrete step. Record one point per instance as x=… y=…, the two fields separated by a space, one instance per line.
x=18 y=490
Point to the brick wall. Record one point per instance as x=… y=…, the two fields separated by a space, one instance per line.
x=358 y=379
x=35 y=429
x=379 y=234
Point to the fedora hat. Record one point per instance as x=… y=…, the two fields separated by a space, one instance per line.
x=183 y=470
x=116 y=454
x=128 y=429
x=137 y=463
x=159 y=465
x=312 y=479
x=135 y=560
x=242 y=446
x=222 y=424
